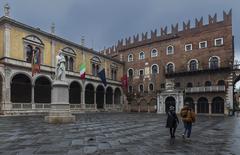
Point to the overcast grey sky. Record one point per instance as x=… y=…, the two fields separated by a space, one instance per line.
x=103 y=22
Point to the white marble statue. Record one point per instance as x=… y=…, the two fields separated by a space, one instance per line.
x=60 y=67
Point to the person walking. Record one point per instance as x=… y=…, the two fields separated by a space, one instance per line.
x=188 y=117
x=172 y=121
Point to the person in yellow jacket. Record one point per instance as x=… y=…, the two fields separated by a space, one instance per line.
x=188 y=117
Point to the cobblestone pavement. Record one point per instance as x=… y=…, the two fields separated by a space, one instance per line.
x=117 y=134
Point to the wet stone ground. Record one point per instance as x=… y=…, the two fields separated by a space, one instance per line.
x=117 y=134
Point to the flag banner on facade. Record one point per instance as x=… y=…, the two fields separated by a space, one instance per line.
x=102 y=76
x=82 y=71
x=124 y=80
x=36 y=61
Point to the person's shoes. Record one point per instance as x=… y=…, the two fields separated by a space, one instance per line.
x=183 y=136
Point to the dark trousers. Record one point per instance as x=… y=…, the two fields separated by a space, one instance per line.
x=172 y=132
x=188 y=129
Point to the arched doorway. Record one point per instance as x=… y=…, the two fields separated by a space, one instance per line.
x=21 y=89
x=117 y=96
x=153 y=105
x=143 y=105
x=109 y=95
x=190 y=101
x=89 y=94
x=74 y=93
x=218 y=105
x=170 y=101
x=100 y=97
x=202 y=105
x=42 y=90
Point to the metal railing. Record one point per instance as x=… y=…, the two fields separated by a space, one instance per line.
x=205 y=89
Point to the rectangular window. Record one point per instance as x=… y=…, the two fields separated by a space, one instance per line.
x=218 y=41
x=162 y=85
x=203 y=44
x=177 y=84
x=188 y=47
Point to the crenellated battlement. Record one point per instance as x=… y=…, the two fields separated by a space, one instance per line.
x=164 y=34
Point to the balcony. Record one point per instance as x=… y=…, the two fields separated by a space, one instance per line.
x=205 y=89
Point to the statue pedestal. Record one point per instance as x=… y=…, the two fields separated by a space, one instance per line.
x=60 y=109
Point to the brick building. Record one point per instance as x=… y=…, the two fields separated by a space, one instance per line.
x=193 y=64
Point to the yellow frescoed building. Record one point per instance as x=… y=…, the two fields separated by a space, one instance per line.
x=23 y=93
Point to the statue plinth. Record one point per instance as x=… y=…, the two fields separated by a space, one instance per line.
x=60 y=109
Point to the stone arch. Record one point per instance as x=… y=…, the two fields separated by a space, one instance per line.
x=89 y=93
x=153 y=105
x=117 y=96
x=170 y=101
x=217 y=105
x=202 y=105
x=100 y=96
x=143 y=105
x=109 y=95
x=42 y=89
x=75 y=92
x=20 y=82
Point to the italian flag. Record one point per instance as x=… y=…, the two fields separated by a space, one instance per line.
x=82 y=71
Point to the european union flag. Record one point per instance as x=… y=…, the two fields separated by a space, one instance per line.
x=102 y=76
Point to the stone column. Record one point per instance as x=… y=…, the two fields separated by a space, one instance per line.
x=33 y=103
x=6 y=40
x=195 y=106
x=95 y=99
x=210 y=108
x=7 y=105
x=104 y=101
x=113 y=99
x=83 y=98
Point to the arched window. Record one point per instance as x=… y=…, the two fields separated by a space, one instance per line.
x=141 y=55
x=71 y=62
x=29 y=53
x=154 y=69
x=189 y=85
x=208 y=83
x=95 y=65
x=151 y=87
x=32 y=45
x=170 y=50
x=193 y=65
x=221 y=83
x=141 y=88
x=130 y=57
x=154 y=53
x=66 y=62
x=170 y=68
x=130 y=73
x=214 y=63
x=130 y=89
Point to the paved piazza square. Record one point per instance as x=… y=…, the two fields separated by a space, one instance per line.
x=117 y=134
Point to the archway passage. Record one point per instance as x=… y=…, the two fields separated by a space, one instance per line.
x=75 y=93
x=202 y=105
x=100 y=97
x=190 y=101
x=117 y=96
x=170 y=101
x=218 y=105
x=109 y=96
x=42 y=90
x=153 y=105
x=89 y=94
x=21 y=89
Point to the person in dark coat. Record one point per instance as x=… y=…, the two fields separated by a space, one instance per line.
x=172 y=121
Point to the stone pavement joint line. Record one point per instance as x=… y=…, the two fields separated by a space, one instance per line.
x=117 y=134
